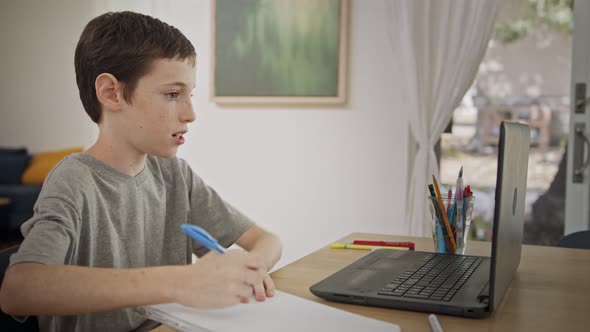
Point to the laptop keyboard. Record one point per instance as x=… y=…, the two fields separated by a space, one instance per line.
x=438 y=279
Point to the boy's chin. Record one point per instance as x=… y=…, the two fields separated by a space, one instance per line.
x=165 y=154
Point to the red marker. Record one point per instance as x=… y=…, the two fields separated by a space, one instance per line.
x=385 y=244
x=468 y=190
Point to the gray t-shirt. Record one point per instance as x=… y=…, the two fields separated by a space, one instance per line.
x=90 y=214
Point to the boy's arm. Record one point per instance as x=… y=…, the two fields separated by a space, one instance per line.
x=267 y=246
x=35 y=289
x=215 y=281
x=262 y=243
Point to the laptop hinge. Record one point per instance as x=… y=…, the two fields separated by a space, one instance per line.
x=484 y=294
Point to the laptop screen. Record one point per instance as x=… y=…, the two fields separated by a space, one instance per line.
x=513 y=157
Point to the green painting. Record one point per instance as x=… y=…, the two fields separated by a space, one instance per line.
x=278 y=49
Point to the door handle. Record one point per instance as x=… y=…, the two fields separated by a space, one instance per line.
x=581 y=144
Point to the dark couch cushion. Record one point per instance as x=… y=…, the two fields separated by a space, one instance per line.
x=15 y=221
x=12 y=167
x=23 y=197
x=13 y=151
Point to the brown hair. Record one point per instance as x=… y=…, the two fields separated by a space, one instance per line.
x=124 y=44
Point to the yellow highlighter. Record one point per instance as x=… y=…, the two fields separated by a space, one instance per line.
x=363 y=247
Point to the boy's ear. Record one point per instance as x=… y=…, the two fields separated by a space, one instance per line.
x=109 y=91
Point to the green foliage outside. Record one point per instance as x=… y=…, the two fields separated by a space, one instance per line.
x=556 y=15
x=276 y=47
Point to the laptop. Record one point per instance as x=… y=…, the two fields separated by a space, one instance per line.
x=461 y=285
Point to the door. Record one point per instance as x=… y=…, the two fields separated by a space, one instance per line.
x=577 y=204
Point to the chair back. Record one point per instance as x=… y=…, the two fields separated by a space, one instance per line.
x=7 y=323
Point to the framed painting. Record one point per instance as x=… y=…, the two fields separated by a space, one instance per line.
x=279 y=51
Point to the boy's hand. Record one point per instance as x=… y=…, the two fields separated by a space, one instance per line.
x=217 y=281
x=263 y=290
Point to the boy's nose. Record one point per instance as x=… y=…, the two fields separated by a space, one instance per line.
x=188 y=114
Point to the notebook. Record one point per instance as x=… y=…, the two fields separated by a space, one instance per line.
x=282 y=312
x=468 y=286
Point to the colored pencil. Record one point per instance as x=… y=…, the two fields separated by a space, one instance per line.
x=444 y=216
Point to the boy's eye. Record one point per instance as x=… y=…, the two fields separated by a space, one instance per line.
x=172 y=95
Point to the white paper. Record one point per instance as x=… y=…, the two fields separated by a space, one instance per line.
x=282 y=312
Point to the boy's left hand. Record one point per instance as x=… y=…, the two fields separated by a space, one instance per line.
x=262 y=291
x=267 y=246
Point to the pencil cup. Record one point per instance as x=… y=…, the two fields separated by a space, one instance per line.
x=459 y=216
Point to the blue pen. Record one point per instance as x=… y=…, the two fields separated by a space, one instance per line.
x=200 y=235
x=440 y=239
x=451 y=212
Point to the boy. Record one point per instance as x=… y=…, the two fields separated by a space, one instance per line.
x=105 y=236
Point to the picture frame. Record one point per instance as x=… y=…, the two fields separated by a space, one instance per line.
x=287 y=52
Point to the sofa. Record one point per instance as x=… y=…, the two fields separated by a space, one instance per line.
x=21 y=197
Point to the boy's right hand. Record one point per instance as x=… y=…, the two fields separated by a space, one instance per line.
x=218 y=281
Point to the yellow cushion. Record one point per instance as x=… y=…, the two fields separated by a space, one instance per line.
x=42 y=163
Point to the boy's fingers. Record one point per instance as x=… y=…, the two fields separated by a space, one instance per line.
x=252 y=277
x=240 y=291
x=259 y=293
x=246 y=291
x=269 y=286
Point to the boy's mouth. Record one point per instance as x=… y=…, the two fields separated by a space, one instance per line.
x=179 y=136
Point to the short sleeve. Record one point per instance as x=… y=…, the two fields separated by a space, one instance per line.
x=217 y=217
x=50 y=235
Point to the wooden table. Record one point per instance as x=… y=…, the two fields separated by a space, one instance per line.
x=550 y=291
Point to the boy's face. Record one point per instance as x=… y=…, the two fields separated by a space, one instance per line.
x=160 y=108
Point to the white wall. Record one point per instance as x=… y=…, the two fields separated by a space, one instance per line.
x=310 y=175
x=39 y=103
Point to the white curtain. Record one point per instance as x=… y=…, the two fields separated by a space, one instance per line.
x=437 y=48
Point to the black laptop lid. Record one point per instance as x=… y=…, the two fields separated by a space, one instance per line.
x=513 y=159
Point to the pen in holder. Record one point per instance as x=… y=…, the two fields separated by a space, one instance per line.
x=459 y=213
